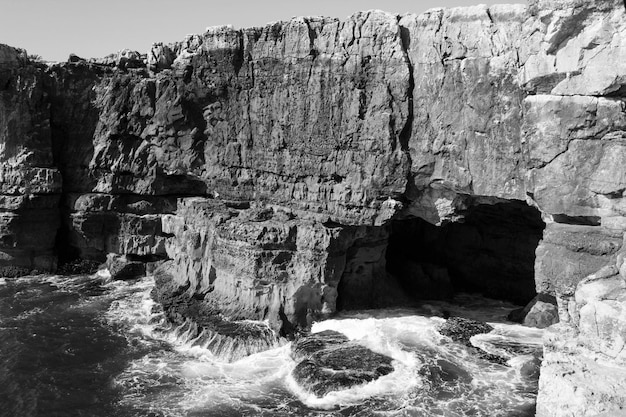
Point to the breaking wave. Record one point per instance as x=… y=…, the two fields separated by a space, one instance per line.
x=432 y=375
x=126 y=360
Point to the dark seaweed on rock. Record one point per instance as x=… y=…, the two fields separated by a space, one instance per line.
x=12 y=271
x=79 y=267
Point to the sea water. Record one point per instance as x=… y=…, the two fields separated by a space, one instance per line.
x=82 y=346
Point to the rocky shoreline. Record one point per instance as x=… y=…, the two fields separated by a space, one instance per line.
x=285 y=172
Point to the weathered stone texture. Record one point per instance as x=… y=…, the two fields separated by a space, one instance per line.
x=584 y=368
x=30 y=185
x=466 y=115
x=264 y=264
x=573 y=131
x=267 y=164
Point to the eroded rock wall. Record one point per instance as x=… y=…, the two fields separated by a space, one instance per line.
x=465 y=134
x=30 y=184
x=265 y=264
x=265 y=165
x=573 y=129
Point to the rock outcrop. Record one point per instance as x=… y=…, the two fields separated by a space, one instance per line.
x=328 y=361
x=584 y=367
x=461 y=330
x=574 y=130
x=541 y=312
x=270 y=171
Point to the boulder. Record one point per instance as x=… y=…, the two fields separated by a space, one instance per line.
x=542 y=315
x=121 y=267
x=541 y=312
x=330 y=362
x=305 y=347
x=460 y=329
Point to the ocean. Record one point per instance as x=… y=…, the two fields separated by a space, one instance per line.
x=85 y=346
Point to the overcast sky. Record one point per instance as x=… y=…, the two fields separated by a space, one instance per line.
x=90 y=28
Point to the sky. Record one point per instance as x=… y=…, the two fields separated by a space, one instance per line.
x=90 y=28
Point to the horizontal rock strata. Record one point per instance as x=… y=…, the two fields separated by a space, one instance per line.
x=269 y=168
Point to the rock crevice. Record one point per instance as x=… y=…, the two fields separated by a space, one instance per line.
x=268 y=166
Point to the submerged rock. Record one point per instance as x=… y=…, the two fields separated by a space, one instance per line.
x=531 y=369
x=443 y=372
x=330 y=362
x=461 y=330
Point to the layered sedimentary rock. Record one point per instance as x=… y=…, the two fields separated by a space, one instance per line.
x=584 y=367
x=266 y=264
x=30 y=184
x=574 y=130
x=283 y=172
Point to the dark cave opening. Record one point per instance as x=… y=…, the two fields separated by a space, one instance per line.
x=491 y=252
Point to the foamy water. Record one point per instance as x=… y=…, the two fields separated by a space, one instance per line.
x=84 y=345
x=179 y=377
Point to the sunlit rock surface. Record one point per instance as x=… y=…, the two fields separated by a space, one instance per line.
x=269 y=168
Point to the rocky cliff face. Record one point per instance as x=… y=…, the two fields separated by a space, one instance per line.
x=30 y=184
x=286 y=171
x=574 y=130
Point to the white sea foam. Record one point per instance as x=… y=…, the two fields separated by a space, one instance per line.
x=143 y=317
x=180 y=376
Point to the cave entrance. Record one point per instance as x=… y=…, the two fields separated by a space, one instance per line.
x=491 y=252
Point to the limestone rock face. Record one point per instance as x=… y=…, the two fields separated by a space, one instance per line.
x=465 y=134
x=584 y=369
x=573 y=130
x=568 y=253
x=323 y=137
x=30 y=185
x=270 y=168
x=264 y=264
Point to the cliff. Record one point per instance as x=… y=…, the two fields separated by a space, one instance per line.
x=283 y=172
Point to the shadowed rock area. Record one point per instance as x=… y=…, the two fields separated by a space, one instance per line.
x=490 y=250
